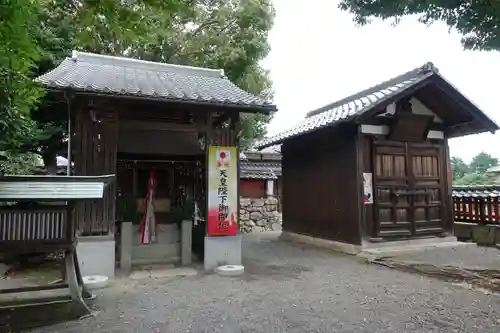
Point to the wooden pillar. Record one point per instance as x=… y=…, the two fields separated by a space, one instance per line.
x=209 y=133
x=448 y=187
x=235 y=131
x=69 y=101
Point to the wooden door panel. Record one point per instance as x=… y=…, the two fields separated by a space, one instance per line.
x=427 y=184
x=391 y=166
x=408 y=189
x=425 y=166
x=391 y=177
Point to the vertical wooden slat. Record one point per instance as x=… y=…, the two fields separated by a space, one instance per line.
x=87 y=163
x=412 y=182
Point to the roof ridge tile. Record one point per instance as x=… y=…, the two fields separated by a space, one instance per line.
x=101 y=59
x=422 y=70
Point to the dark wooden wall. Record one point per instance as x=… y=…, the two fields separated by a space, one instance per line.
x=94 y=146
x=321 y=185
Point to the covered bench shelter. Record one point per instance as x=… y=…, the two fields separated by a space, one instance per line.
x=375 y=166
x=37 y=216
x=129 y=117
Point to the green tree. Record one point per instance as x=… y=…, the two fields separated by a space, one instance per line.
x=18 y=95
x=482 y=162
x=476 y=172
x=458 y=167
x=478 y=21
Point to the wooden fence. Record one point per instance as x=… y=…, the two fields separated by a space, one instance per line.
x=477 y=204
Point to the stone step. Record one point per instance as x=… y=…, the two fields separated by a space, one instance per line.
x=156 y=253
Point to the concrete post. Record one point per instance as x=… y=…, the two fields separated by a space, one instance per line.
x=269 y=188
x=222 y=250
x=186 y=242
x=126 y=242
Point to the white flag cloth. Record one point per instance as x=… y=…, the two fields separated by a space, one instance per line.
x=148 y=222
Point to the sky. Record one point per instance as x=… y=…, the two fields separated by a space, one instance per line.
x=318 y=56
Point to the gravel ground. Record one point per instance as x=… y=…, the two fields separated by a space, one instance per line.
x=289 y=288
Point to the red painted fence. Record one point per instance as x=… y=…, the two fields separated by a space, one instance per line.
x=477 y=204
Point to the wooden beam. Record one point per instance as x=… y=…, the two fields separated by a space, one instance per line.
x=159 y=126
x=384 y=130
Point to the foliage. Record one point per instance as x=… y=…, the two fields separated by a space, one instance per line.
x=476 y=172
x=253 y=128
x=476 y=20
x=18 y=94
x=19 y=164
x=482 y=162
x=476 y=179
x=458 y=167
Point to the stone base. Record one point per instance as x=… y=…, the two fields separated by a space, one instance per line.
x=222 y=250
x=482 y=234
x=319 y=242
x=368 y=249
x=172 y=246
x=96 y=255
x=390 y=248
x=156 y=254
x=463 y=230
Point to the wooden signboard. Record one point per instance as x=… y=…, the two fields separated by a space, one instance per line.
x=410 y=127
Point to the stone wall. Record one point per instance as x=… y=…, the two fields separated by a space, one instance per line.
x=258 y=215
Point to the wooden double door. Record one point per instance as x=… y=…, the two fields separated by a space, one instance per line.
x=409 y=187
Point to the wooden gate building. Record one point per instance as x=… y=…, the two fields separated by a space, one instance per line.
x=375 y=166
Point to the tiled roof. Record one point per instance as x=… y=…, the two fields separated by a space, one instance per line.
x=259 y=170
x=125 y=76
x=354 y=105
x=476 y=191
x=257 y=175
x=276 y=149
